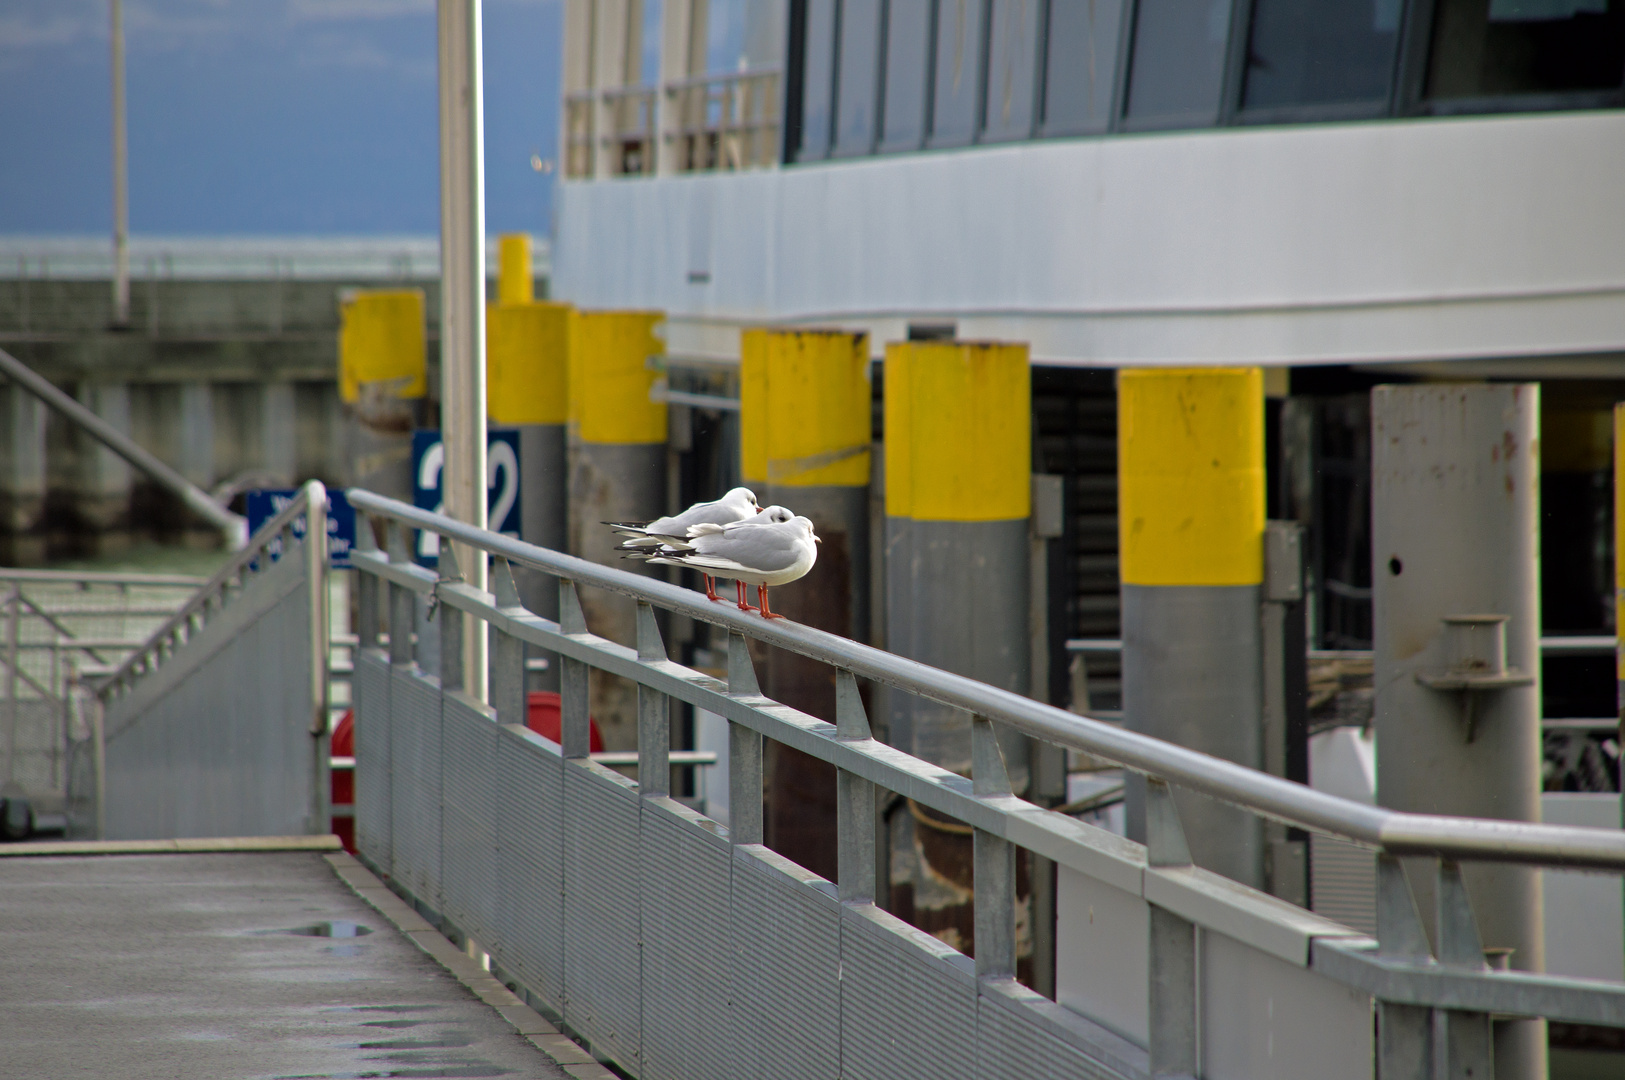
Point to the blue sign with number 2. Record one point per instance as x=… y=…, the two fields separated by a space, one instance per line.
x=501 y=478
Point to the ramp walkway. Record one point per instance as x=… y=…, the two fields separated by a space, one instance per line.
x=239 y=962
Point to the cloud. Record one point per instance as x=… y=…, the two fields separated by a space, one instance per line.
x=65 y=23
x=350 y=10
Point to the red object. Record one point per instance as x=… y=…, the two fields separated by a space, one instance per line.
x=544 y=710
x=544 y=718
x=342 y=791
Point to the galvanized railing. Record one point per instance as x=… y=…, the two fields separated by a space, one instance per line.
x=62 y=627
x=1160 y=974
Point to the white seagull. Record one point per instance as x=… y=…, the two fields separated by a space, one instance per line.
x=737 y=505
x=774 y=549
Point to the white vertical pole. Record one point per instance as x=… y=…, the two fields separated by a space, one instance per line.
x=462 y=298
x=121 y=178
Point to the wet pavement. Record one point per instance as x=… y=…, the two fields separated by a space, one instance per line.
x=225 y=966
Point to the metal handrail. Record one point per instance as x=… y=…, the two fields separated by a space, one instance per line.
x=98 y=577
x=311 y=500
x=1550 y=645
x=1395 y=832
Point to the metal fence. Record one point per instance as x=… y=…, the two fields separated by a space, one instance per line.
x=217 y=725
x=681 y=948
x=61 y=628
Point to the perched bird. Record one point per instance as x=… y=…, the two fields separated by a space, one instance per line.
x=774 y=549
x=737 y=505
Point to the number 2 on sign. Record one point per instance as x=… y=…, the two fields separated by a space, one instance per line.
x=500 y=467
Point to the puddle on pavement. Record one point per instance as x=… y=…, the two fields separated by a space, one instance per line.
x=396 y=1023
x=330 y=928
x=416 y=1044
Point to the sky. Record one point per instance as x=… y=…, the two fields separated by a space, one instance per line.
x=265 y=117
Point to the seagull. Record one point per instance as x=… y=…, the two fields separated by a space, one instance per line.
x=775 y=549
x=737 y=505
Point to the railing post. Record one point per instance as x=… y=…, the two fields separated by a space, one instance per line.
x=366 y=626
x=507 y=652
x=744 y=750
x=402 y=605
x=574 y=722
x=451 y=626
x=995 y=861
x=855 y=869
x=654 y=712
x=1404 y=1032
x=1172 y=982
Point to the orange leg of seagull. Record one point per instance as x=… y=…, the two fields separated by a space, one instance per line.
x=711 y=589
x=744 y=605
x=761 y=598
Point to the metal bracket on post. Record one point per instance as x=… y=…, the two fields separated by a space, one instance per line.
x=744 y=751
x=508 y=659
x=1404 y=1032
x=1475 y=648
x=367 y=620
x=995 y=861
x=654 y=712
x=855 y=870
x=451 y=627
x=574 y=723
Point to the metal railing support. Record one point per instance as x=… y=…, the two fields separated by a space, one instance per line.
x=451 y=627
x=744 y=750
x=994 y=859
x=508 y=696
x=654 y=712
x=402 y=606
x=575 y=725
x=856 y=871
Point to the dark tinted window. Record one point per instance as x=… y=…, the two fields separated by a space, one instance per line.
x=857 y=77
x=1320 y=52
x=817 y=78
x=1080 y=71
x=1485 y=48
x=1177 y=71
x=908 y=52
x=1012 y=69
x=958 y=83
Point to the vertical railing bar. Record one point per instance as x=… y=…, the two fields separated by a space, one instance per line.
x=507 y=651
x=402 y=604
x=855 y=869
x=451 y=626
x=744 y=751
x=654 y=712
x=574 y=722
x=994 y=861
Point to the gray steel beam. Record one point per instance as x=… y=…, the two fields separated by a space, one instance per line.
x=1455 y=531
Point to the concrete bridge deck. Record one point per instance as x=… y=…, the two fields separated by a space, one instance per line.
x=244 y=963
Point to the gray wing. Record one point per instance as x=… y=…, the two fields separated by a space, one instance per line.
x=767 y=548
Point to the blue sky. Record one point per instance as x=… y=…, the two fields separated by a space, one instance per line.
x=265 y=116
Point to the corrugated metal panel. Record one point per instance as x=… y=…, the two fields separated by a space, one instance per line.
x=1343 y=882
x=602 y=967
x=415 y=782
x=469 y=812
x=530 y=905
x=215 y=741
x=786 y=969
x=1020 y=1033
x=370 y=685
x=908 y=1002
x=684 y=877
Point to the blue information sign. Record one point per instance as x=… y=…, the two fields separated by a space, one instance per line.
x=267 y=503
x=501 y=477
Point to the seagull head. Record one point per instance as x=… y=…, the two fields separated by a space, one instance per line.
x=744 y=496
x=778 y=515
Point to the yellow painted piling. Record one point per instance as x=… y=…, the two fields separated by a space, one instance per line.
x=610 y=377
x=805 y=403
x=527 y=352
x=382 y=340
x=1191 y=476
x=515 y=283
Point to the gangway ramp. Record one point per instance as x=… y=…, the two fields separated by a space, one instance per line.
x=265 y=957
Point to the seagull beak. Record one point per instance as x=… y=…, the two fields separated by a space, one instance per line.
x=818 y=539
